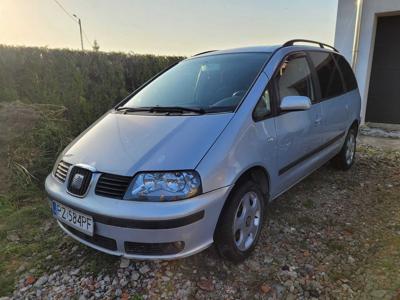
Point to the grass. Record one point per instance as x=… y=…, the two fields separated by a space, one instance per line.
x=39 y=249
x=25 y=237
x=33 y=245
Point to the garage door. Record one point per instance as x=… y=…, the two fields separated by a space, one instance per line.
x=383 y=104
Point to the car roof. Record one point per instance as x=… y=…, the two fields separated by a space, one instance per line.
x=261 y=49
x=252 y=49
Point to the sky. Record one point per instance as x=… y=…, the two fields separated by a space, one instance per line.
x=165 y=27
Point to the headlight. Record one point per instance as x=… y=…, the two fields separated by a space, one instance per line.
x=164 y=186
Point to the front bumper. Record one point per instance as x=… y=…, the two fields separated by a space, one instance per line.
x=144 y=230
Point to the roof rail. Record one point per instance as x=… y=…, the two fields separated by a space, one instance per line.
x=322 y=45
x=204 y=52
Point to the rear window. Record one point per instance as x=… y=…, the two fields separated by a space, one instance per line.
x=328 y=74
x=348 y=75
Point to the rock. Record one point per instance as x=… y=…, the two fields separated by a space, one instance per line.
x=253 y=265
x=285 y=268
x=21 y=269
x=118 y=292
x=41 y=281
x=12 y=236
x=169 y=274
x=351 y=260
x=378 y=294
x=30 y=280
x=123 y=282
x=39 y=293
x=145 y=269
x=86 y=293
x=47 y=225
x=206 y=285
x=75 y=272
x=279 y=290
x=56 y=268
x=135 y=276
x=309 y=269
x=268 y=260
x=125 y=296
x=114 y=282
x=124 y=263
x=290 y=297
x=265 y=288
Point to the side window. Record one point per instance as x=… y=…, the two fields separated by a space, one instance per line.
x=294 y=78
x=348 y=75
x=328 y=74
x=263 y=107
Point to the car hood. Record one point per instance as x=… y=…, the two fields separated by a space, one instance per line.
x=124 y=144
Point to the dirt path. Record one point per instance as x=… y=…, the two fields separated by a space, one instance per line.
x=336 y=235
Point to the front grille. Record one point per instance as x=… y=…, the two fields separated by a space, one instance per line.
x=113 y=186
x=96 y=239
x=62 y=171
x=154 y=248
x=79 y=180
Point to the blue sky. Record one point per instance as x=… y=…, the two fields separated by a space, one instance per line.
x=181 y=27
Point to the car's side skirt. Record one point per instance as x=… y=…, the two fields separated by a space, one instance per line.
x=310 y=154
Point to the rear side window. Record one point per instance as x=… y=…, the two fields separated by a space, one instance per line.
x=330 y=79
x=348 y=76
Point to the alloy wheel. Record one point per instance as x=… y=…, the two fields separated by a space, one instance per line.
x=350 y=148
x=247 y=221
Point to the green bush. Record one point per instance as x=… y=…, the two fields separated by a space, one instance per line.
x=86 y=83
x=60 y=93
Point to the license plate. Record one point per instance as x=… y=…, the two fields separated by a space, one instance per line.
x=73 y=218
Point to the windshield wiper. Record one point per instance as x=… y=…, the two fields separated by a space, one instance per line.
x=166 y=109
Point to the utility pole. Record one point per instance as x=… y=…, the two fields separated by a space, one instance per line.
x=80 y=29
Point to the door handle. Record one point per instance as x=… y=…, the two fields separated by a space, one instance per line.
x=317 y=121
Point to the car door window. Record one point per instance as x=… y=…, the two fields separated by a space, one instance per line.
x=328 y=74
x=294 y=78
x=263 y=107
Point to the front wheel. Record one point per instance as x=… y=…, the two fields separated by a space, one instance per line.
x=240 y=224
x=345 y=158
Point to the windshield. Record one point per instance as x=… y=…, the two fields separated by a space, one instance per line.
x=213 y=83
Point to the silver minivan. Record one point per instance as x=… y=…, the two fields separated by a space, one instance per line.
x=194 y=156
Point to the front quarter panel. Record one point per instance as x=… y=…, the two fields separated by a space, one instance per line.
x=242 y=145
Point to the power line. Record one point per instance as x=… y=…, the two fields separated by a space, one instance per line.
x=85 y=36
x=64 y=10
x=73 y=18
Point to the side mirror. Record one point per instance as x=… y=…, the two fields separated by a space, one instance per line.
x=293 y=103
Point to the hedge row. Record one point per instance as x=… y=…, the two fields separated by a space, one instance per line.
x=86 y=83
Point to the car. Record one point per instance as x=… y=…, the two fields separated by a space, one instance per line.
x=195 y=155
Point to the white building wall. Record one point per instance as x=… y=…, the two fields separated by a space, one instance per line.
x=344 y=37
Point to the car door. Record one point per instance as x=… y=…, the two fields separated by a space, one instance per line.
x=334 y=103
x=298 y=132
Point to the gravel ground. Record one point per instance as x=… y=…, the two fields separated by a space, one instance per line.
x=336 y=235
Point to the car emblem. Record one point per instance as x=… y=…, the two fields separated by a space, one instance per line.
x=77 y=181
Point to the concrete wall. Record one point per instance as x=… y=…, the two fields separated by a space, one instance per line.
x=344 y=36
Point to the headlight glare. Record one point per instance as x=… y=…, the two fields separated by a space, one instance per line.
x=164 y=186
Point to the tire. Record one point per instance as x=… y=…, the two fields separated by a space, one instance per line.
x=345 y=158
x=240 y=223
